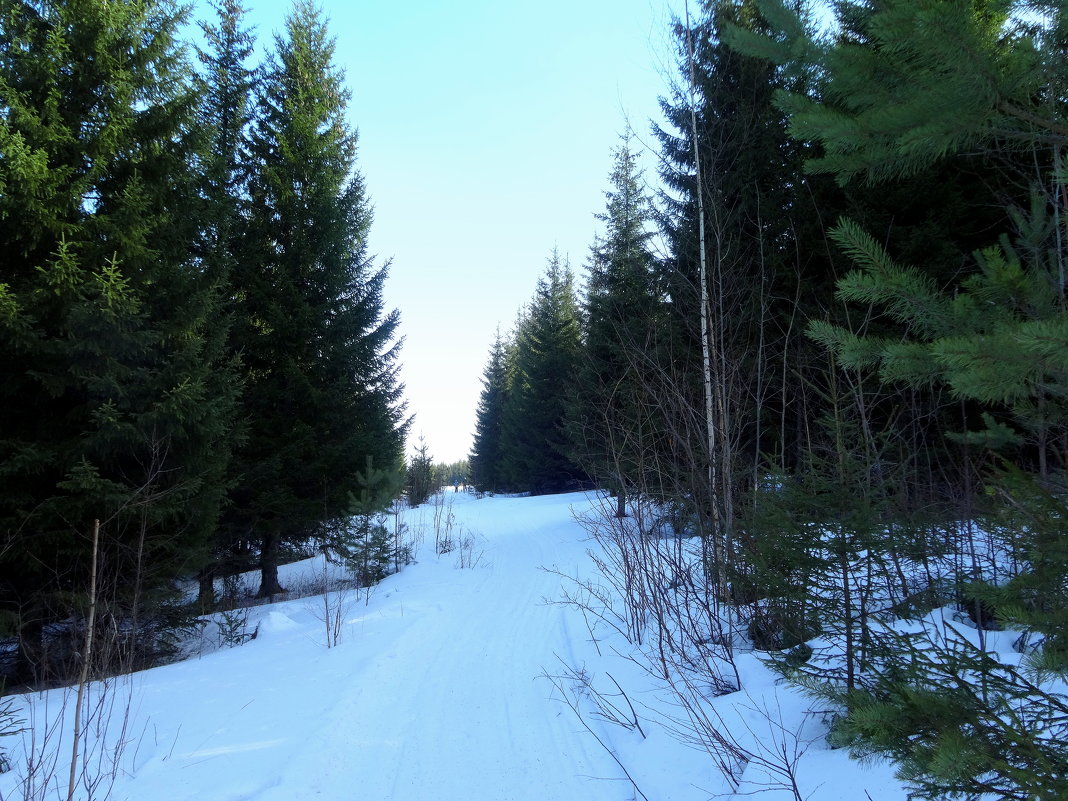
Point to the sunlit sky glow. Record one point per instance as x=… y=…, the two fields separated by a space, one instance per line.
x=486 y=130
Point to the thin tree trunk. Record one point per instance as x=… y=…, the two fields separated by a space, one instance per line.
x=706 y=356
x=847 y=614
x=269 y=585
x=86 y=660
x=30 y=668
x=206 y=590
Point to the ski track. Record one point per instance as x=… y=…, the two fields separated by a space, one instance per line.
x=435 y=692
x=474 y=715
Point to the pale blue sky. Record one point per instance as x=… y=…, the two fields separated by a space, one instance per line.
x=486 y=129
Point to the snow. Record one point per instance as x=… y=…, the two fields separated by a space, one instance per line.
x=460 y=678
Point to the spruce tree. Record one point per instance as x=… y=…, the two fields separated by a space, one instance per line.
x=319 y=352
x=225 y=86
x=108 y=384
x=419 y=478
x=487 y=468
x=739 y=377
x=612 y=403
x=547 y=351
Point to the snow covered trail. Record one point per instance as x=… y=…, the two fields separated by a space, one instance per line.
x=432 y=693
x=454 y=708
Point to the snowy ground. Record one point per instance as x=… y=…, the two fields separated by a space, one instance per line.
x=437 y=689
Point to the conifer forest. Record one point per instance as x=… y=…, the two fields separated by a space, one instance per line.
x=825 y=338
x=196 y=352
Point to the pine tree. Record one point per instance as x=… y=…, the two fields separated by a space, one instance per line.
x=108 y=387
x=320 y=355
x=993 y=339
x=929 y=80
x=487 y=468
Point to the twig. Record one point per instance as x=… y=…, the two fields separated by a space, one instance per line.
x=578 y=714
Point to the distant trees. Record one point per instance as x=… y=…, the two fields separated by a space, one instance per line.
x=521 y=441
x=420 y=481
x=487 y=453
x=546 y=359
x=224 y=113
x=454 y=474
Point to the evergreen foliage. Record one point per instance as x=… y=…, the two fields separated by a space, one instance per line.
x=1000 y=339
x=612 y=402
x=925 y=80
x=318 y=350
x=487 y=453
x=420 y=475
x=906 y=87
x=958 y=723
x=1027 y=513
x=109 y=388
x=454 y=474
x=363 y=541
x=546 y=360
x=225 y=87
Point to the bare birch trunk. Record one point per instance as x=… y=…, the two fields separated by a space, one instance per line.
x=718 y=551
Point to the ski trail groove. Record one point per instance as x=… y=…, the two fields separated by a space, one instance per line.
x=456 y=700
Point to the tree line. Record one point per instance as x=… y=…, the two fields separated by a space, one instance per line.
x=195 y=348
x=832 y=342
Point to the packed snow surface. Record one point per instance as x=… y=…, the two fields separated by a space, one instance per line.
x=438 y=688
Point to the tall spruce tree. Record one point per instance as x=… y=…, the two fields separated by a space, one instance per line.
x=107 y=387
x=487 y=468
x=548 y=346
x=613 y=409
x=225 y=86
x=320 y=354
